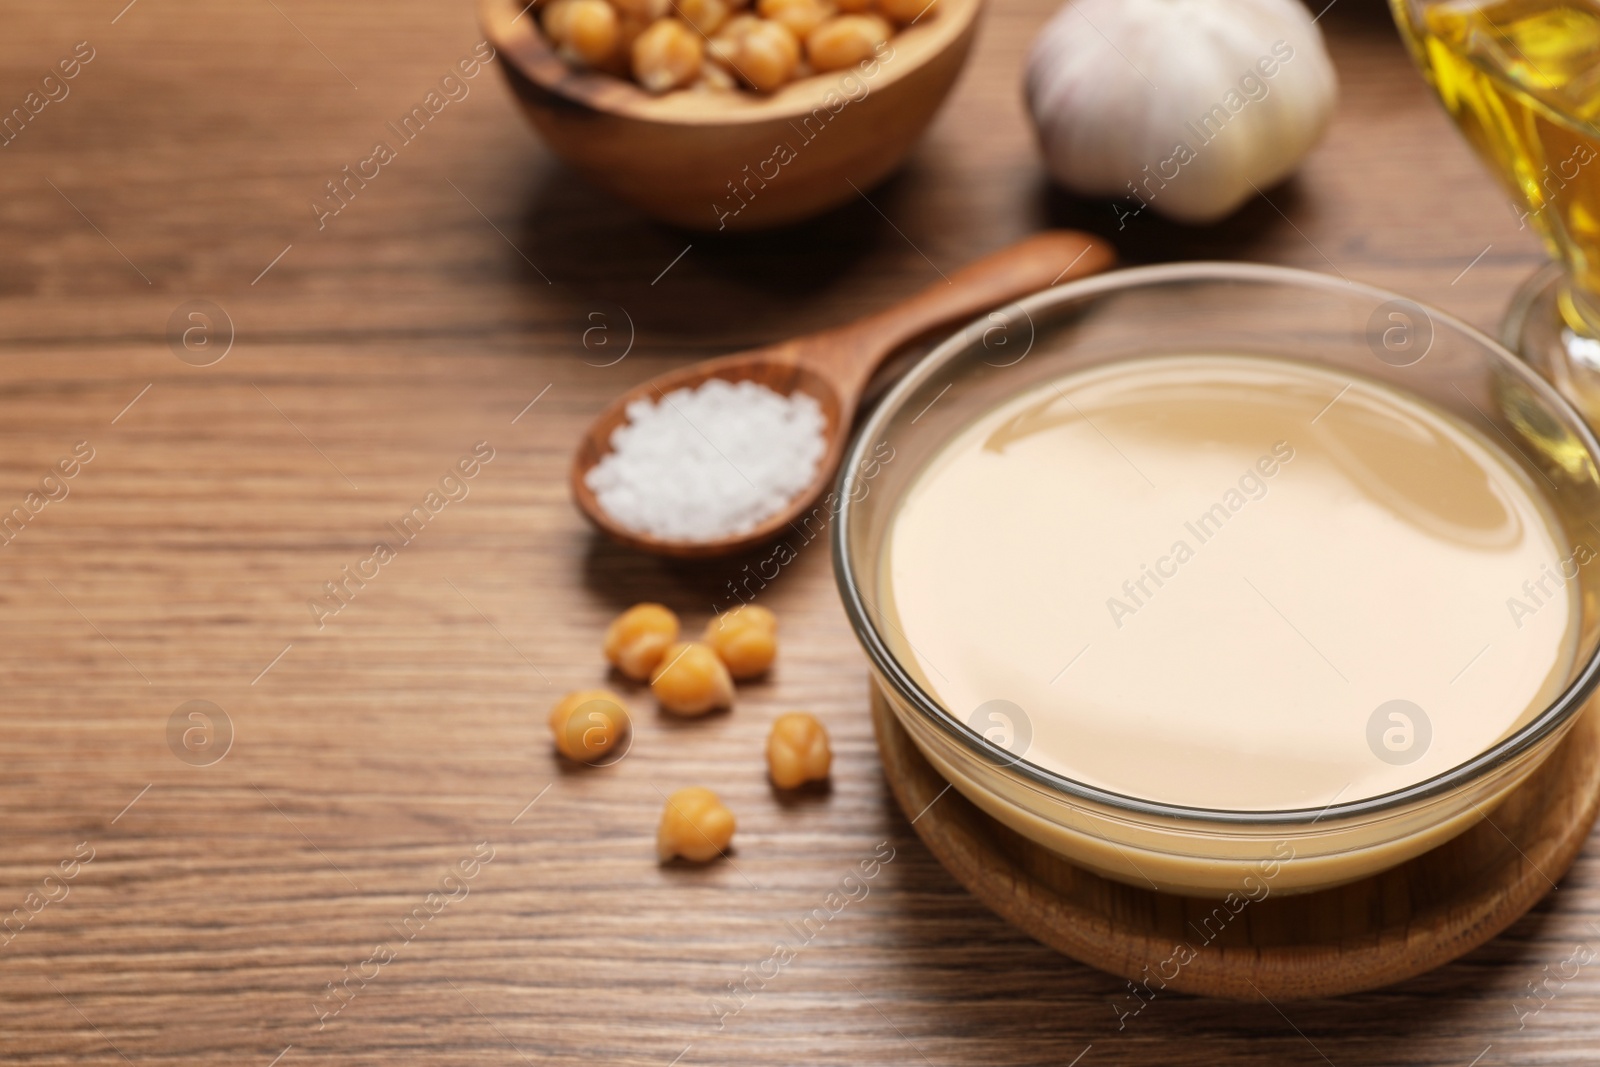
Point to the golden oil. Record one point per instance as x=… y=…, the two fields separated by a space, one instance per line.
x=1521 y=78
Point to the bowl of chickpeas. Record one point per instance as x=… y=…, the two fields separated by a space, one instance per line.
x=731 y=114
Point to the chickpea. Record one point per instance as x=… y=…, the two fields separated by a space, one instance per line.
x=704 y=15
x=588 y=723
x=694 y=825
x=586 y=32
x=906 y=12
x=765 y=44
x=667 y=55
x=845 y=41
x=692 y=680
x=628 y=30
x=746 y=639
x=638 y=638
x=800 y=17
x=588 y=29
x=724 y=47
x=715 y=78
x=797 y=750
x=766 y=55
x=554 y=17
x=646 y=11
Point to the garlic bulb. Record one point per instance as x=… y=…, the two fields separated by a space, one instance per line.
x=1188 y=106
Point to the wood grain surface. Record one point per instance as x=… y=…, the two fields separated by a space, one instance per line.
x=372 y=755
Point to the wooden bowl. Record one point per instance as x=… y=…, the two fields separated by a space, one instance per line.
x=736 y=160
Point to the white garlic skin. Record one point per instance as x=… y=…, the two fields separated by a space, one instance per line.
x=1118 y=90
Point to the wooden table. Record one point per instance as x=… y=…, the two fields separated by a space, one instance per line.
x=446 y=305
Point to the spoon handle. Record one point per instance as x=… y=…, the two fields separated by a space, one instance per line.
x=1035 y=263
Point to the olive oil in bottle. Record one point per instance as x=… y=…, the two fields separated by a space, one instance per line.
x=1521 y=78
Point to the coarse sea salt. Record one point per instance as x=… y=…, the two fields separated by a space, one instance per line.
x=711 y=462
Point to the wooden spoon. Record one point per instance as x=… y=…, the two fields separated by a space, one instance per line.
x=835 y=365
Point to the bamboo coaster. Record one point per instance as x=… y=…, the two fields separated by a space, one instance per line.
x=1370 y=933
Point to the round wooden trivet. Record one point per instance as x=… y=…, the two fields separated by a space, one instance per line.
x=1370 y=933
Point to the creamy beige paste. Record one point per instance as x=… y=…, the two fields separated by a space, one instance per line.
x=1201 y=577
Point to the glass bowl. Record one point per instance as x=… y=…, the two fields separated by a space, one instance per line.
x=1245 y=310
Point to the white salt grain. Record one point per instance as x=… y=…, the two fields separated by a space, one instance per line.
x=711 y=462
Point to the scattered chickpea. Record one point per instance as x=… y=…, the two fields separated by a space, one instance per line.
x=704 y=15
x=588 y=723
x=638 y=638
x=694 y=825
x=845 y=41
x=854 y=7
x=906 y=12
x=797 y=750
x=800 y=17
x=691 y=680
x=667 y=55
x=746 y=639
